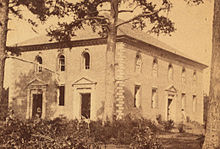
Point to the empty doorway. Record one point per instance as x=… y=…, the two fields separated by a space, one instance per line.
x=170 y=109
x=37 y=105
x=86 y=105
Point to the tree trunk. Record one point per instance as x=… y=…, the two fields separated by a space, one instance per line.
x=3 y=37
x=110 y=63
x=212 y=136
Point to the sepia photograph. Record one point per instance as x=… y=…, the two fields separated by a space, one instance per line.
x=110 y=74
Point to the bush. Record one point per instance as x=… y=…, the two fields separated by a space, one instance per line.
x=62 y=133
x=139 y=133
x=168 y=125
x=181 y=128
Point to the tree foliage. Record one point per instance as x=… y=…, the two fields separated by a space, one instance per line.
x=94 y=13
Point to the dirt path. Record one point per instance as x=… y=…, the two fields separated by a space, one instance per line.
x=180 y=141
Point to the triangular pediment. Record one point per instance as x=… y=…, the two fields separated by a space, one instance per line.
x=171 y=88
x=37 y=82
x=84 y=80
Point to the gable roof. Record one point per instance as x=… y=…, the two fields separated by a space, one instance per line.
x=123 y=31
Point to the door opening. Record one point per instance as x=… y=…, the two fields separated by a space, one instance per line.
x=169 y=108
x=37 y=105
x=86 y=105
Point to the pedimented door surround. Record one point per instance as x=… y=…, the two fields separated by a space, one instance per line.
x=81 y=88
x=36 y=87
x=171 y=96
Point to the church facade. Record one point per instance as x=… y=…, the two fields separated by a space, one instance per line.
x=151 y=79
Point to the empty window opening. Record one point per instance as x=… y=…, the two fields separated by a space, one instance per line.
x=170 y=72
x=137 y=96
x=39 y=62
x=62 y=63
x=154 y=98
x=155 y=68
x=183 y=76
x=86 y=105
x=138 y=64
x=86 y=57
x=61 y=95
x=194 y=103
x=183 y=101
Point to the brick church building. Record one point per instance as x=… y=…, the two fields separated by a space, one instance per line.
x=68 y=78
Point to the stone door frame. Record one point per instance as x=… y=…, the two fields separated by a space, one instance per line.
x=36 y=87
x=83 y=86
x=171 y=93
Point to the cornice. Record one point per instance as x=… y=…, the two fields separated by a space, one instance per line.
x=100 y=41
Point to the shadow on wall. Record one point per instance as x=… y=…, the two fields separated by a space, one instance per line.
x=100 y=111
x=19 y=101
x=129 y=108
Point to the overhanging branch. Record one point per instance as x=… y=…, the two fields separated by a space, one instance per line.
x=92 y=18
x=131 y=11
x=146 y=14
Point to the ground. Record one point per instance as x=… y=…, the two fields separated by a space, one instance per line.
x=181 y=140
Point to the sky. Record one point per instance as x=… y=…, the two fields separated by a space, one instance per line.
x=192 y=37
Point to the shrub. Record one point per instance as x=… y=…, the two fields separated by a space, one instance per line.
x=168 y=125
x=181 y=128
x=62 y=133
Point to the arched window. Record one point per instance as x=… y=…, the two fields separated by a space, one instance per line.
x=62 y=63
x=155 y=68
x=170 y=72
x=183 y=75
x=86 y=60
x=194 y=76
x=194 y=79
x=39 y=62
x=138 y=63
x=154 y=98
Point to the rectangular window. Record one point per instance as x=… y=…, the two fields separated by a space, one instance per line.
x=61 y=96
x=194 y=102
x=137 y=96
x=154 y=98
x=183 y=101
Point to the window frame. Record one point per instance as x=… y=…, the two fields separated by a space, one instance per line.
x=183 y=76
x=154 y=98
x=155 y=70
x=170 y=74
x=137 y=90
x=86 y=60
x=62 y=64
x=61 y=98
x=39 y=61
x=138 y=63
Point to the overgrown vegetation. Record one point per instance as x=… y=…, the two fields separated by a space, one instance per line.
x=63 y=133
x=167 y=125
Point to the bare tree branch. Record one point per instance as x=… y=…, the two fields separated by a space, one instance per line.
x=92 y=18
x=146 y=14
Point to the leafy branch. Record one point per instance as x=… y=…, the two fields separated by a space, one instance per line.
x=145 y=14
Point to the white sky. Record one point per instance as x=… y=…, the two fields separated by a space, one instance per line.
x=193 y=35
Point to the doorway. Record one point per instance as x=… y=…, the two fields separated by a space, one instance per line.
x=86 y=105
x=169 y=105
x=37 y=105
